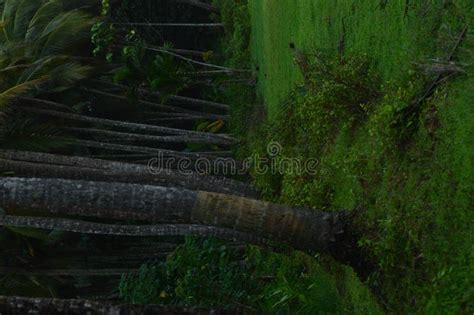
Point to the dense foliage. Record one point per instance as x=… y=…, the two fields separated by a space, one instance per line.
x=401 y=155
x=379 y=92
x=213 y=274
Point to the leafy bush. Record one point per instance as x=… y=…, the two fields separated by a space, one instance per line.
x=409 y=168
x=337 y=96
x=210 y=273
x=206 y=273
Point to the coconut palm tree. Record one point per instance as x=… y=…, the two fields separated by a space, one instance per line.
x=310 y=230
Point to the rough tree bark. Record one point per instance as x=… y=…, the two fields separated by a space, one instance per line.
x=161 y=106
x=85 y=227
x=190 y=25
x=208 y=65
x=177 y=98
x=133 y=126
x=43 y=165
x=200 y=4
x=195 y=3
x=139 y=149
x=66 y=272
x=309 y=230
x=143 y=137
x=41 y=306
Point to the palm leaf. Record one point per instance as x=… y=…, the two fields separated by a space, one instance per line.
x=7 y=96
x=28 y=135
x=66 y=75
x=65 y=30
x=40 y=20
x=24 y=12
x=8 y=17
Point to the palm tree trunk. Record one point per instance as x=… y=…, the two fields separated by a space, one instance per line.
x=161 y=106
x=195 y=3
x=138 y=149
x=44 y=165
x=304 y=229
x=14 y=305
x=208 y=65
x=183 y=52
x=176 y=120
x=129 y=230
x=202 y=5
x=132 y=126
x=66 y=272
x=161 y=114
x=142 y=137
x=177 y=98
x=187 y=25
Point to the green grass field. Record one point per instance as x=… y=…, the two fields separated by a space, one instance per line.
x=414 y=176
x=394 y=35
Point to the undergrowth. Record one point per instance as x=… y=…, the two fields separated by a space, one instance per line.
x=407 y=165
x=210 y=273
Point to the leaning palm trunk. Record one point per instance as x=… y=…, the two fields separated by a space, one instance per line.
x=208 y=65
x=194 y=3
x=128 y=230
x=139 y=149
x=200 y=4
x=141 y=137
x=183 y=52
x=187 y=25
x=177 y=98
x=175 y=120
x=221 y=139
x=161 y=106
x=14 y=305
x=44 y=165
x=66 y=272
x=303 y=229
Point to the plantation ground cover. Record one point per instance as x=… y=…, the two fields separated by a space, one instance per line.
x=345 y=82
x=411 y=170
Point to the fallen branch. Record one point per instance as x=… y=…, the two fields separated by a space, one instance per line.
x=439 y=78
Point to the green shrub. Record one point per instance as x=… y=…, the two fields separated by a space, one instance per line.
x=210 y=273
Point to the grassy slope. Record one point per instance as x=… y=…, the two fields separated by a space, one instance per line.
x=419 y=198
x=386 y=35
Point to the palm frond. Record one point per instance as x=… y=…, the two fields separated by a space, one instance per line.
x=24 y=12
x=66 y=75
x=43 y=16
x=65 y=30
x=29 y=135
x=8 y=17
x=7 y=96
x=40 y=67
